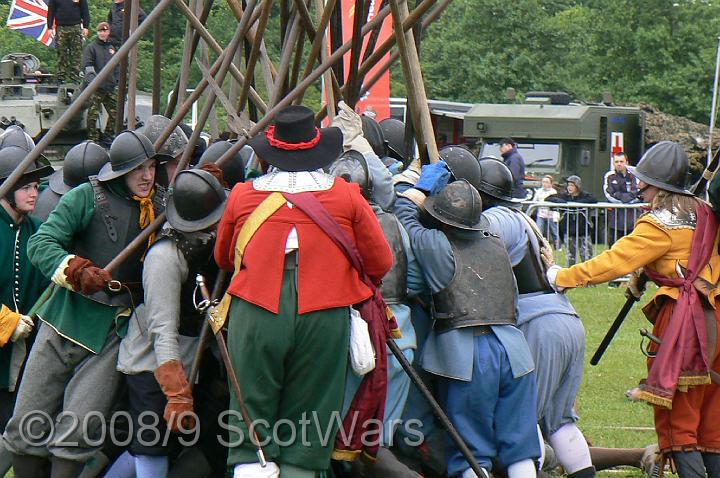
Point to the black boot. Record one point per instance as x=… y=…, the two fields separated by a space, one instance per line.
x=62 y=468
x=29 y=466
x=712 y=464
x=689 y=464
x=588 y=472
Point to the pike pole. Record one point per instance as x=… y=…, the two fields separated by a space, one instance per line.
x=206 y=307
x=698 y=188
x=437 y=411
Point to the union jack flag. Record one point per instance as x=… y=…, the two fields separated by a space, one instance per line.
x=29 y=17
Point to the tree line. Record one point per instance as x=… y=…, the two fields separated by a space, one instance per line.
x=660 y=52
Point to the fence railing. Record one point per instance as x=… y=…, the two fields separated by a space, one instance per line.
x=580 y=231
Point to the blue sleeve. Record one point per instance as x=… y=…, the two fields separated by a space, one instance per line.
x=431 y=248
x=383 y=193
x=507 y=225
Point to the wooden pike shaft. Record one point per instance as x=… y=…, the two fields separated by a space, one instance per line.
x=132 y=80
x=424 y=133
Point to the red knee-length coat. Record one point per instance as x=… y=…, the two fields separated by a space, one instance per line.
x=326 y=279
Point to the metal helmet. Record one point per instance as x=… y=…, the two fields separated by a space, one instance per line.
x=496 y=180
x=174 y=145
x=458 y=205
x=129 y=150
x=352 y=167
x=196 y=201
x=374 y=135
x=14 y=135
x=665 y=166
x=83 y=160
x=10 y=159
x=234 y=168
x=462 y=164
x=393 y=131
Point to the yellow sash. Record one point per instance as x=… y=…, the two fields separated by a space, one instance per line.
x=256 y=219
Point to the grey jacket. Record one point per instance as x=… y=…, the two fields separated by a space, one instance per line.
x=152 y=337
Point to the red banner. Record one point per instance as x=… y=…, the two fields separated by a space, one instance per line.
x=377 y=99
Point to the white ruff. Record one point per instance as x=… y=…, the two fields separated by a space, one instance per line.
x=294 y=182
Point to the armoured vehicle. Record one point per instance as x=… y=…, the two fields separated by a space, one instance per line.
x=33 y=101
x=558 y=137
x=30 y=99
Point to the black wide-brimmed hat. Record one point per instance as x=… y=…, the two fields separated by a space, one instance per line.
x=295 y=144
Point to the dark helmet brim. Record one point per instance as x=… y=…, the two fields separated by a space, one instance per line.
x=430 y=209
x=183 y=225
x=107 y=173
x=56 y=183
x=656 y=182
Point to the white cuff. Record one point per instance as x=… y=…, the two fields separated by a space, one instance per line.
x=551 y=275
x=254 y=470
x=59 y=276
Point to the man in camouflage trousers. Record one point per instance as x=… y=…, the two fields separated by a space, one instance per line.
x=95 y=56
x=68 y=22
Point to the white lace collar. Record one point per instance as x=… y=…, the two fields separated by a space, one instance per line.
x=294 y=182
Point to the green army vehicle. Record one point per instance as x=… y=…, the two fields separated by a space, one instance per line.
x=31 y=100
x=558 y=137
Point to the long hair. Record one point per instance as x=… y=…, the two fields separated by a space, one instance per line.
x=679 y=203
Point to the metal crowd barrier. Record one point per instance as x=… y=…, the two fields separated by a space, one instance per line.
x=580 y=231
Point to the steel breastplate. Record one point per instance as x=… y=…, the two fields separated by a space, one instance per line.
x=394 y=283
x=527 y=275
x=197 y=248
x=115 y=222
x=482 y=291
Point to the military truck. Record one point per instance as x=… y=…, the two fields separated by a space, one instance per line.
x=559 y=137
x=30 y=99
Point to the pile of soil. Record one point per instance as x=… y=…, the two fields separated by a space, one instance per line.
x=692 y=136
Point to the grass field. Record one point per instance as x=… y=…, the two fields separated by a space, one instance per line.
x=609 y=419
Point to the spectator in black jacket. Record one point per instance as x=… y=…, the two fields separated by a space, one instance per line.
x=516 y=164
x=575 y=224
x=96 y=55
x=68 y=21
x=115 y=19
x=620 y=187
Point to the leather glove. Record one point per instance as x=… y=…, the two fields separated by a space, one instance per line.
x=434 y=178
x=350 y=123
x=23 y=328
x=552 y=277
x=86 y=277
x=179 y=408
x=215 y=170
x=634 y=289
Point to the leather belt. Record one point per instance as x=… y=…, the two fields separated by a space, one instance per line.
x=290 y=260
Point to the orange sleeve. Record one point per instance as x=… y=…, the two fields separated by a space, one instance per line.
x=8 y=322
x=647 y=243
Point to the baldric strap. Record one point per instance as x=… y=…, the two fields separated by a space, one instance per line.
x=256 y=219
x=102 y=203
